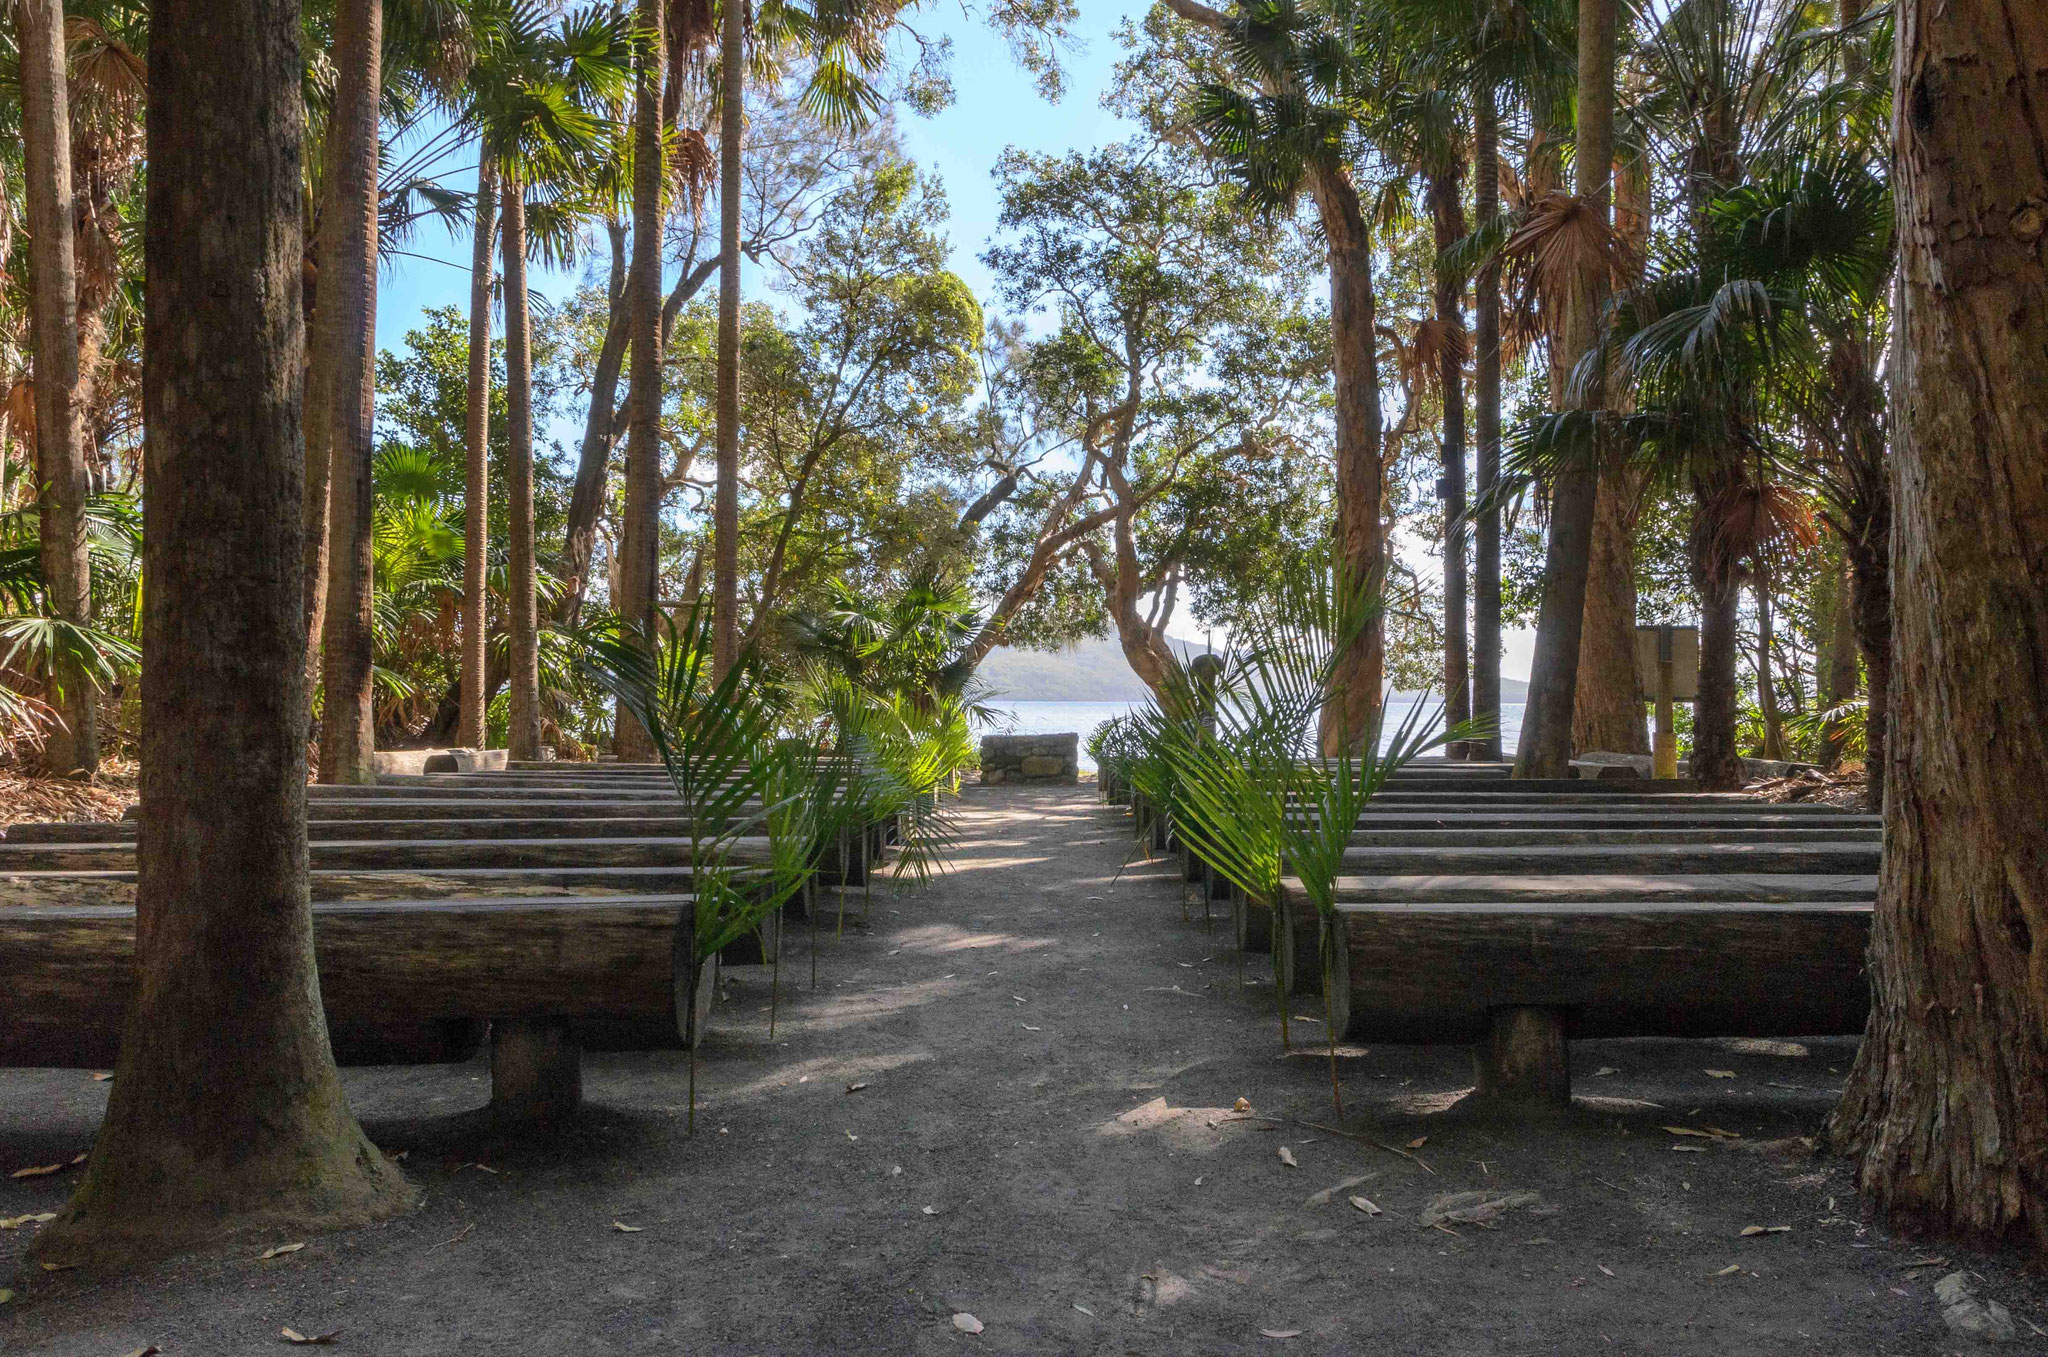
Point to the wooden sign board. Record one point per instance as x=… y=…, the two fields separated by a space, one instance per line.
x=1680 y=645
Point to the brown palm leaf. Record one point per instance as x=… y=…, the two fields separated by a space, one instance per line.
x=1744 y=519
x=1436 y=338
x=1559 y=253
x=692 y=167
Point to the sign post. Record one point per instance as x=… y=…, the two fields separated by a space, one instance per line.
x=1667 y=671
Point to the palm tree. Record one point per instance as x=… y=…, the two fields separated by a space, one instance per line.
x=1294 y=128
x=843 y=42
x=1545 y=749
x=62 y=477
x=537 y=99
x=342 y=425
x=477 y=475
x=228 y=1110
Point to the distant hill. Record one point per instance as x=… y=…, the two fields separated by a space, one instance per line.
x=1096 y=671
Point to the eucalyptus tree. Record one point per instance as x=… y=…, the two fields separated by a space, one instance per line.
x=228 y=1112
x=1941 y=1110
x=1184 y=377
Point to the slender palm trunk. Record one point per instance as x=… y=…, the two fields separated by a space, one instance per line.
x=227 y=1114
x=725 y=517
x=345 y=346
x=1608 y=711
x=1716 y=762
x=1486 y=413
x=1546 y=746
x=640 y=551
x=63 y=478
x=1942 y=1112
x=524 y=621
x=1839 y=674
x=1766 y=682
x=476 y=491
x=1447 y=215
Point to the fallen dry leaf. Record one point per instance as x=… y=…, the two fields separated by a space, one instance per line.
x=1749 y=1231
x=102 y=1076
x=77 y=1159
x=34 y=1217
x=1689 y=1131
x=1418 y=1142
x=281 y=1250
x=1279 y=1333
x=1903 y=1267
x=1604 y=1268
x=1690 y=1149
x=855 y=1088
x=1366 y=1206
x=1287 y=1157
x=1084 y=1309
x=1241 y=1105
x=1730 y=1270
x=966 y=1323
x=624 y=1228
x=291 y=1335
x=930 y=1210
x=149 y=1351
x=58 y=1267
x=35 y=1171
x=1029 y=1028
x=1604 y=1071
x=5 y=1295
x=1720 y=1074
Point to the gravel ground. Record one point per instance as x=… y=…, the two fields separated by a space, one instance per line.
x=1011 y=1097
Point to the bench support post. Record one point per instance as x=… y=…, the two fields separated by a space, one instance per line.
x=1523 y=1059
x=536 y=1070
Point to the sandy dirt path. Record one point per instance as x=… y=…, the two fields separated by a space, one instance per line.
x=1043 y=1056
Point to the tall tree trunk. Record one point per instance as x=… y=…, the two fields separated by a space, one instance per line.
x=1608 y=711
x=1546 y=746
x=586 y=499
x=1486 y=413
x=63 y=476
x=1716 y=762
x=725 y=515
x=1839 y=674
x=640 y=549
x=1361 y=548
x=345 y=342
x=1766 y=680
x=227 y=1114
x=476 y=489
x=1946 y=1111
x=1871 y=569
x=523 y=742
x=1447 y=217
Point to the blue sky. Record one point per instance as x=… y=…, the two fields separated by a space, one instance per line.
x=996 y=105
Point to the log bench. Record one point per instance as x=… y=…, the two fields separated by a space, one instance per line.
x=1520 y=979
x=404 y=982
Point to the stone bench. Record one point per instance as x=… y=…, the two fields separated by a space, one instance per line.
x=1042 y=759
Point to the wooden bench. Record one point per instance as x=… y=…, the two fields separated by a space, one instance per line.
x=404 y=982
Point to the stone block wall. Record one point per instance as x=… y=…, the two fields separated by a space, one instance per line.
x=1030 y=758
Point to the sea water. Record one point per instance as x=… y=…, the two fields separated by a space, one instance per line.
x=1044 y=718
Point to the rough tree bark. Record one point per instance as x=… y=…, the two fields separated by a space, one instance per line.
x=725 y=513
x=1608 y=712
x=345 y=341
x=1716 y=762
x=640 y=547
x=523 y=741
x=476 y=492
x=227 y=1114
x=1871 y=571
x=1361 y=548
x=63 y=478
x=1447 y=218
x=1946 y=1111
x=1546 y=745
x=1840 y=673
x=1486 y=418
